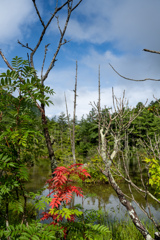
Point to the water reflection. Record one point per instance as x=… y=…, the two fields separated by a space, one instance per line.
x=96 y=197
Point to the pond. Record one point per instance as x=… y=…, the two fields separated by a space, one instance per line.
x=97 y=196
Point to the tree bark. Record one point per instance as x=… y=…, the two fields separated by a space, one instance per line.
x=99 y=111
x=123 y=200
x=127 y=204
x=53 y=160
x=74 y=117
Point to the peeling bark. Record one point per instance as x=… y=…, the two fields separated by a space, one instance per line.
x=123 y=200
x=127 y=204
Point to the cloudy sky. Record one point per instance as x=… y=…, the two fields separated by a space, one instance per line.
x=101 y=32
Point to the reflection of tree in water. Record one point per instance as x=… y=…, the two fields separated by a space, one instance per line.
x=99 y=196
x=102 y=197
x=39 y=174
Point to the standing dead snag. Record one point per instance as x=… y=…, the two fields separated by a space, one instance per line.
x=153 y=152
x=69 y=6
x=99 y=109
x=118 y=117
x=72 y=130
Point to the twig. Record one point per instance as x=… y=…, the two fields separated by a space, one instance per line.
x=59 y=46
x=45 y=53
x=151 y=51
x=76 y=5
x=131 y=79
x=43 y=32
x=26 y=46
x=37 y=11
x=57 y=17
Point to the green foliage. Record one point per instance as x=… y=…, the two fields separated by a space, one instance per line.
x=86 y=226
x=146 y=124
x=35 y=231
x=125 y=229
x=66 y=212
x=154 y=171
x=24 y=79
x=19 y=135
x=93 y=167
x=79 y=230
x=13 y=174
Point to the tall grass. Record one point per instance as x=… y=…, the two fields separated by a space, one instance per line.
x=125 y=230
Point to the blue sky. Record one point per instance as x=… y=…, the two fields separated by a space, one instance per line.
x=101 y=32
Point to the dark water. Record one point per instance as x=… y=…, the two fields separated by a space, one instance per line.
x=97 y=197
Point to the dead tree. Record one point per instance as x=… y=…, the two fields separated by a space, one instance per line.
x=118 y=117
x=72 y=130
x=69 y=6
x=153 y=149
x=99 y=109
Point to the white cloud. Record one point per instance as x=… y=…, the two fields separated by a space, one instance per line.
x=15 y=17
x=85 y=97
x=130 y=66
x=128 y=24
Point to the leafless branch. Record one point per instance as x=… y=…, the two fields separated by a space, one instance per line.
x=26 y=46
x=59 y=45
x=131 y=79
x=57 y=17
x=140 y=169
x=151 y=51
x=45 y=53
x=38 y=13
x=69 y=125
x=5 y=60
x=43 y=33
x=76 y=5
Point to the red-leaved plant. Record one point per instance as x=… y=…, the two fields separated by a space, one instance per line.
x=61 y=186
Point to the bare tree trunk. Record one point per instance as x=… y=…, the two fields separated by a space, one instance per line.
x=7 y=217
x=74 y=117
x=53 y=160
x=99 y=111
x=72 y=131
x=69 y=125
x=127 y=204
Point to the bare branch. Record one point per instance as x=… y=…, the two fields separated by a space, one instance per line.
x=5 y=60
x=38 y=13
x=45 y=53
x=26 y=46
x=151 y=51
x=76 y=5
x=57 y=17
x=43 y=32
x=59 y=46
x=131 y=79
x=141 y=172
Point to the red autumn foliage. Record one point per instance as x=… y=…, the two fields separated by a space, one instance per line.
x=62 y=189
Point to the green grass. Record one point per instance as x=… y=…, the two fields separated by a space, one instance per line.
x=125 y=230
